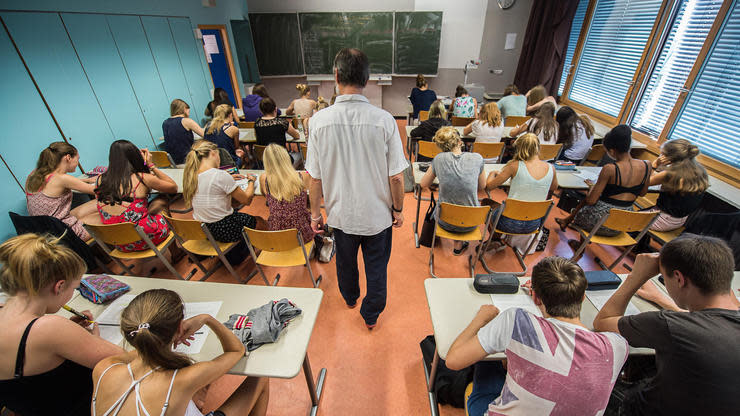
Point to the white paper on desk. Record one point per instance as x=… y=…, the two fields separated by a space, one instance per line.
x=588 y=175
x=197 y=308
x=112 y=315
x=517 y=300
x=599 y=298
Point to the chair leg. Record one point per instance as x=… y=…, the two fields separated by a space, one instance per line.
x=310 y=273
x=431 y=255
x=229 y=267
x=624 y=254
x=126 y=269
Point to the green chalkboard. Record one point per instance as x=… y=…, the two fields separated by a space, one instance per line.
x=245 y=50
x=324 y=34
x=417 y=42
x=277 y=43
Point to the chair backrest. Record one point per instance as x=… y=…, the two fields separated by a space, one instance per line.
x=186 y=229
x=628 y=221
x=428 y=149
x=488 y=150
x=115 y=234
x=282 y=240
x=462 y=121
x=246 y=124
x=512 y=121
x=423 y=115
x=259 y=151
x=526 y=210
x=594 y=155
x=463 y=216
x=162 y=159
x=304 y=151
x=549 y=151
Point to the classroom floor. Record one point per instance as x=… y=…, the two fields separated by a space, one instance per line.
x=377 y=372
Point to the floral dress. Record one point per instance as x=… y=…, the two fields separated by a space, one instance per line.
x=464 y=107
x=285 y=215
x=137 y=212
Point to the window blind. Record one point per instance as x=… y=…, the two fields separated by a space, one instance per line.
x=685 y=39
x=710 y=116
x=575 y=32
x=616 y=39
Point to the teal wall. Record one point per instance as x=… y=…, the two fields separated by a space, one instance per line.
x=107 y=70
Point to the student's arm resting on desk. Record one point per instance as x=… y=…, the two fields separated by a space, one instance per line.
x=428 y=179
x=292 y=131
x=191 y=125
x=291 y=108
x=77 y=184
x=518 y=129
x=650 y=292
x=595 y=192
x=468 y=129
x=489 y=332
x=245 y=196
x=159 y=181
x=496 y=179
x=73 y=342
x=657 y=178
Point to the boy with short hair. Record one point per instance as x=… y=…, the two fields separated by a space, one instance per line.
x=555 y=364
x=696 y=352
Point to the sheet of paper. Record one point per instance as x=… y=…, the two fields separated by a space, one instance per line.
x=112 y=315
x=210 y=44
x=518 y=300
x=588 y=175
x=510 y=41
x=599 y=298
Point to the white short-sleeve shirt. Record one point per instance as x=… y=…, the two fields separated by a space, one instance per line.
x=354 y=148
x=212 y=200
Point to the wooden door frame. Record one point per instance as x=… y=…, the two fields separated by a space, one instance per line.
x=229 y=60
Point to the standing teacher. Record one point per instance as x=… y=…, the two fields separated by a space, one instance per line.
x=356 y=159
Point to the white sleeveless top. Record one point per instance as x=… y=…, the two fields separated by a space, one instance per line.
x=526 y=188
x=135 y=385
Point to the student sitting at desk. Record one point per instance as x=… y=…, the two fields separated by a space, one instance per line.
x=49 y=188
x=303 y=106
x=512 y=103
x=696 y=352
x=555 y=365
x=538 y=96
x=46 y=360
x=460 y=176
x=542 y=124
x=463 y=105
x=123 y=193
x=488 y=127
x=251 y=103
x=531 y=180
x=153 y=379
x=222 y=131
x=683 y=183
x=576 y=133
x=211 y=192
x=285 y=193
x=429 y=127
x=421 y=96
x=178 y=131
x=271 y=129
x=220 y=96
x=619 y=184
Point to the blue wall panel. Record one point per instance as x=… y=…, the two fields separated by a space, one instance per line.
x=13 y=200
x=165 y=55
x=138 y=61
x=44 y=44
x=191 y=65
x=96 y=49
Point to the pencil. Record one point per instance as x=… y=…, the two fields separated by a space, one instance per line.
x=78 y=314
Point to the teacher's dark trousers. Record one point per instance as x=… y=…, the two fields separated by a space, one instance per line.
x=376 y=251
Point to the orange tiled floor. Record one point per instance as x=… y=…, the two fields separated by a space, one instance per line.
x=377 y=372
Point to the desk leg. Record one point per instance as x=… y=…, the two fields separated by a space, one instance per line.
x=418 y=207
x=314 y=389
x=433 y=407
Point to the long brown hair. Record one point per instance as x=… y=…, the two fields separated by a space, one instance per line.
x=684 y=175
x=200 y=150
x=220 y=115
x=569 y=122
x=178 y=107
x=546 y=123
x=31 y=262
x=149 y=323
x=124 y=160
x=536 y=94
x=49 y=160
x=490 y=114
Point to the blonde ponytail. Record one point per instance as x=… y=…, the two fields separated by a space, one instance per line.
x=303 y=89
x=220 y=115
x=200 y=150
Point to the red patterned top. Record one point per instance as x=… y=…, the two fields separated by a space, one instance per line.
x=290 y=214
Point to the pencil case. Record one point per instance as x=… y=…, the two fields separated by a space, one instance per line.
x=101 y=288
x=602 y=279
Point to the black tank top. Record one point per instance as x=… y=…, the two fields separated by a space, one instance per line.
x=616 y=188
x=65 y=390
x=177 y=139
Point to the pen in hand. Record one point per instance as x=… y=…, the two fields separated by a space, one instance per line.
x=76 y=313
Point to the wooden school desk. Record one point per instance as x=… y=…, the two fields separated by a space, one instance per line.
x=453 y=303
x=282 y=359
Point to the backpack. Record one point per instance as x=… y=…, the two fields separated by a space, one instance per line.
x=449 y=385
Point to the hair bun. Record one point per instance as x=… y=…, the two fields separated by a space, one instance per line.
x=693 y=151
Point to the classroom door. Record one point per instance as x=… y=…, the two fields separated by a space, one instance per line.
x=218 y=56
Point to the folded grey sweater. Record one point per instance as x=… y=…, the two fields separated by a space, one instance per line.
x=262 y=325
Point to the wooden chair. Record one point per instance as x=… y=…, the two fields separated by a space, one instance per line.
x=304 y=152
x=521 y=211
x=195 y=238
x=594 y=155
x=461 y=216
x=426 y=149
x=663 y=237
x=549 y=151
x=648 y=201
x=423 y=115
x=246 y=124
x=283 y=248
x=513 y=121
x=259 y=151
x=618 y=220
x=162 y=159
x=489 y=150
x=125 y=233
x=462 y=121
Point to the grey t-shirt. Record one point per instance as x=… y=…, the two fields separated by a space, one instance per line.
x=697 y=359
x=458 y=181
